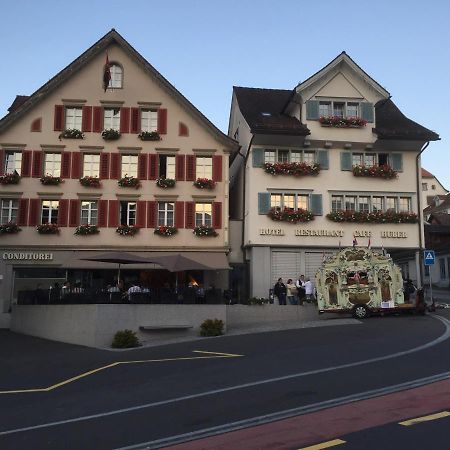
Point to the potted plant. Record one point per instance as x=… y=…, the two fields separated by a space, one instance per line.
x=373 y=217
x=204 y=183
x=165 y=182
x=290 y=215
x=127 y=230
x=72 y=133
x=295 y=169
x=205 y=231
x=10 y=178
x=149 y=136
x=384 y=171
x=9 y=228
x=48 y=228
x=86 y=229
x=90 y=182
x=342 y=122
x=129 y=181
x=165 y=230
x=110 y=134
x=50 y=180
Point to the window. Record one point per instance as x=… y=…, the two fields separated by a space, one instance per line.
x=166 y=213
x=424 y=186
x=111 y=119
x=363 y=204
x=129 y=166
x=433 y=187
x=13 y=161
x=339 y=109
x=272 y=156
x=8 y=211
x=290 y=201
x=91 y=165
x=377 y=204
x=352 y=109
x=128 y=213
x=116 y=76
x=275 y=200
x=324 y=109
x=49 y=211
x=367 y=203
x=167 y=166
x=391 y=204
x=370 y=159
x=309 y=157
x=204 y=167
x=283 y=156
x=89 y=212
x=149 y=120
x=73 y=118
x=337 y=202
x=350 y=203
x=52 y=164
x=203 y=214
x=404 y=204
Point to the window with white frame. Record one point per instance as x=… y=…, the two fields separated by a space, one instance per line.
x=289 y=200
x=377 y=204
x=49 y=211
x=166 y=213
x=203 y=167
x=339 y=109
x=111 y=119
x=391 y=204
x=149 y=120
x=129 y=166
x=128 y=213
x=363 y=204
x=91 y=165
x=52 y=164
x=73 y=117
x=370 y=203
x=116 y=76
x=8 y=213
x=404 y=204
x=203 y=214
x=89 y=212
x=352 y=109
x=324 y=109
x=167 y=166
x=13 y=161
x=424 y=186
x=370 y=159
x=273 y=156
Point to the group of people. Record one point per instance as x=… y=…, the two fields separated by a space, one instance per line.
x=296 y=293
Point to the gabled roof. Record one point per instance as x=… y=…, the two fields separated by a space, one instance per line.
x=18 y=110
x=426 y=174
x=18 y=101
x=432 y=209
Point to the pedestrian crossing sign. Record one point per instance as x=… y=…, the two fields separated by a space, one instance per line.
x=428 y=257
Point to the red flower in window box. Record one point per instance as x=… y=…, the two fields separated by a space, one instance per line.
x=342 y=122
x=128 y=181
x=87 y=229
x=50 y=180
x=204 y=183
x=48 y=228
x=384 y=171
x=295 y=169
x=9 y=228
x=373 y=217
x=149 y=136
x=127 y=230
x=10 y=178
x=90 y=182
x=165 y=230
x=290 y=215
x=204 y=231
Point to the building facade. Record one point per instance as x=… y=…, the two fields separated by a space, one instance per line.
x=108 y=145
x=431 y=187
x=324 y=165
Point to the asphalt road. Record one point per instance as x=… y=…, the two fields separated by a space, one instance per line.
x=172 y=390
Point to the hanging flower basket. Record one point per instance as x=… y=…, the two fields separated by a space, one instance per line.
x=50 y=180
x=87 y=229
x=127 y=181
x=10 y=178
x=127 y=230
x=295 y=169
x=204 y=231
x=165 y=183
x=48 y=228
x=71 y=133
x=385 y=171
x=342 y=122
x=90 y=182
x=9 y=228
x=164 y=230
x=290 y=215
x=149 y=136
x=204 y=183
x=373 y=217
x=110 y=134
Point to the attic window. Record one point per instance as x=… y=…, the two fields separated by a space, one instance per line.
x=266 y=114
x=116 y=76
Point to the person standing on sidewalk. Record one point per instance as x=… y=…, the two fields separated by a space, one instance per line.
x=291 y=292
x=309 y=290
x=280 y=291
x=300 y=283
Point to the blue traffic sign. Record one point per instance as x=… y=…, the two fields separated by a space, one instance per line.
x=428 y=257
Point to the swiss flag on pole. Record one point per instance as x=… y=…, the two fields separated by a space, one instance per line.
x=106 y=73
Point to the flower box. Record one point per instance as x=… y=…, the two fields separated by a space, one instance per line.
x=385 y=171
x=165 y=183
x=290 y=215
x=10 y=178
x=373 y=217
x=87 y=229
x=204 y=183
x=110 y=134
x=149 y=136
x=48 y=228
x=127 y=230
x=164 y=230
x=342 y=122
x=50 y=180
x=127 y=181
x=9 y=228
x=204 y=231
x=295 y=169
x=90 y=182
x=71 y=133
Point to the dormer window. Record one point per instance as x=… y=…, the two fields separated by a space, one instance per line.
x=266 y=114
x=339 y=109
x=116 y=80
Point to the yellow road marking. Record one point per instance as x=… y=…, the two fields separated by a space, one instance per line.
x=327 y=444
x=440 y=415
x=212 y=355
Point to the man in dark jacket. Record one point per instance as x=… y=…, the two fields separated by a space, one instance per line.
x=280 y=291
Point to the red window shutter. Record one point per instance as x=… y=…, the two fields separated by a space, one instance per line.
x=34 y=217
x=102 y=213
x=142 y=166
x=179 y=214
x=76 y=165
x=135 y=120
x=179 y=167
x=104 y=166
x=74 y=213
x=65 y=164
x=183 y=130
x=124 y=120
x=190 y=168
x=36 y=125
x=2 y=162
x=59 y=118
x=217 y=215
x=140 y=214
x=190 y=215
x=86 y=124
x=115 y=166
x=63 y=211
x=152 y=167
x=113 y=215
x=26 y=163
x=37 y=164
x=162 y=121
x=22 y=217
x=217 y=168
x=151 y=214
x=97 y=123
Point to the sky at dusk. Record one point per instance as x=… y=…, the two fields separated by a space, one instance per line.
x=205 y=47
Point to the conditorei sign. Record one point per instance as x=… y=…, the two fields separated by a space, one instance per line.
x=27 y=256
x=332 y=233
